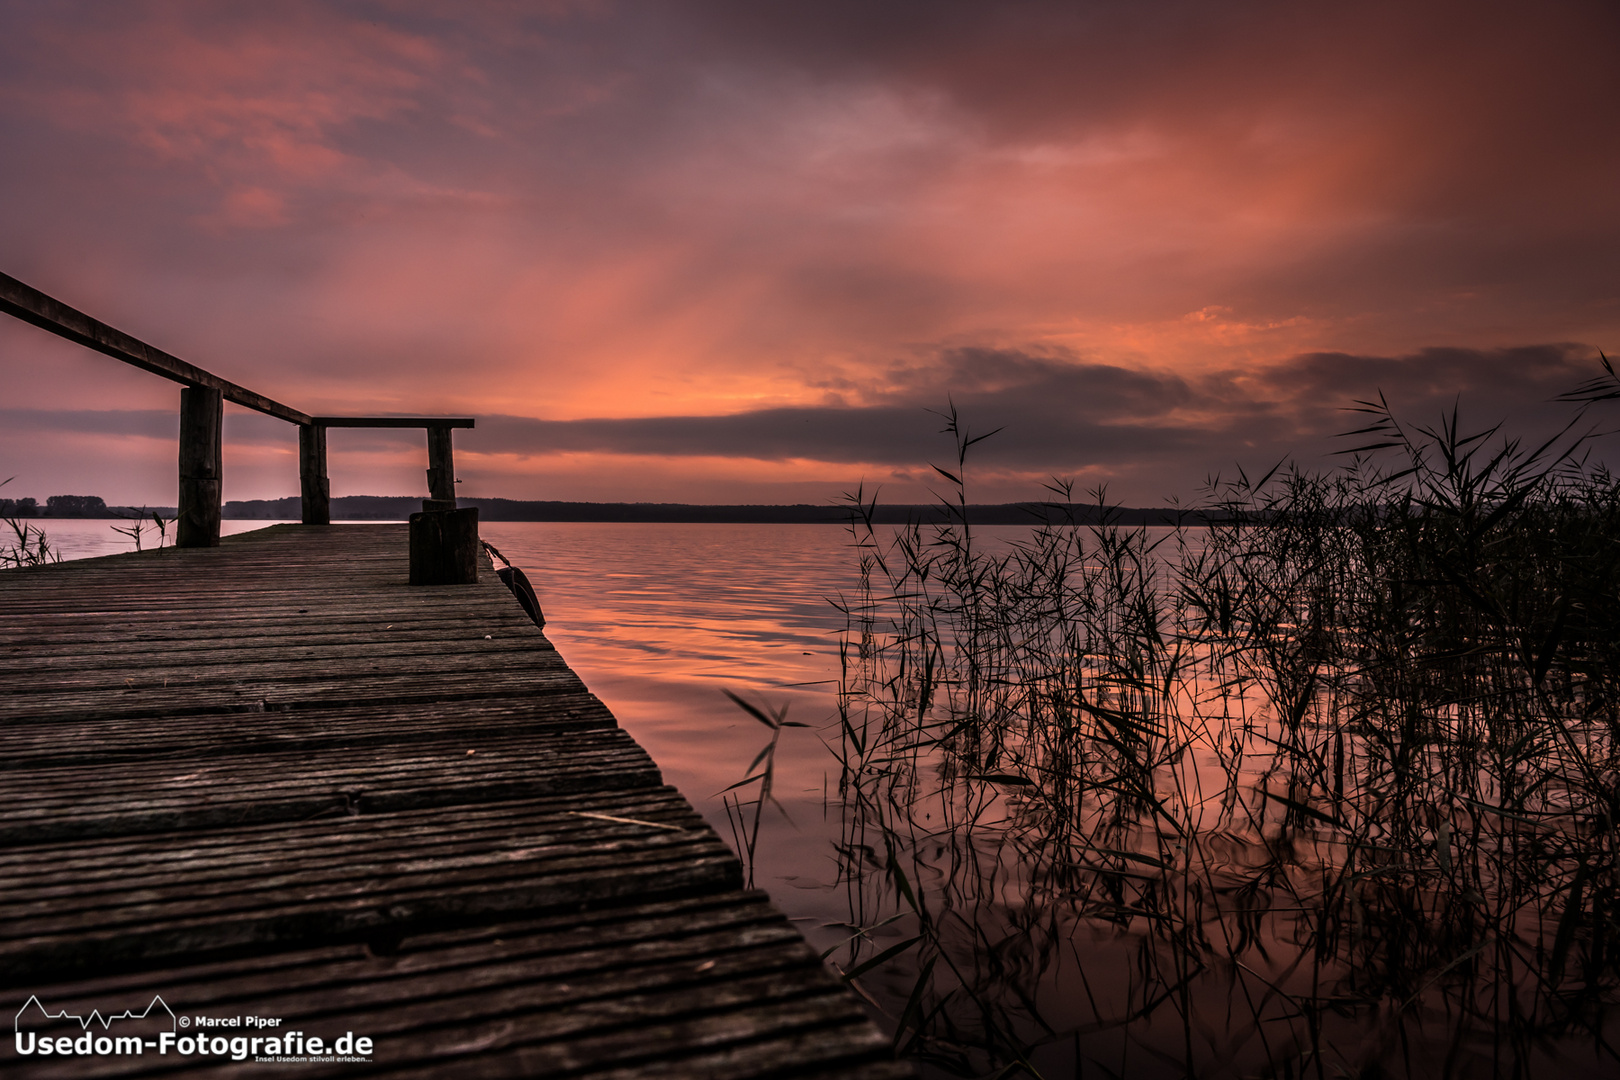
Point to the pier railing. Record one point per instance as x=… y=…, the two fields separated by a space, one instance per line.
x=201 y=470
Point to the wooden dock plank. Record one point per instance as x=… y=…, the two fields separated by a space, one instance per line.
x=55 y=740
x=653 y=990
x=271 y=778
x=142 y=899
x=166 y=795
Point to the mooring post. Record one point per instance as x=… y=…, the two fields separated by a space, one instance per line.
x=444 y=540
x=314 y=486
x=202 y=415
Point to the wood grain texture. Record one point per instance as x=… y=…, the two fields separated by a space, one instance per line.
x=713 y=986
x=271 y=778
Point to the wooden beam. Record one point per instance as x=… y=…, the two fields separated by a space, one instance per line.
x=395 y=421
x=202 y=413
x=313 y=483
x=32 y=306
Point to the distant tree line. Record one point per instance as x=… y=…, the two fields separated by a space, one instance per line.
x=399 y=507
x=71 y=506
x=56 y=506
x=75 y=506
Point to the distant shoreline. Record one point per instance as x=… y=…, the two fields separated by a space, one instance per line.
x=399 y=507
x=362 y=507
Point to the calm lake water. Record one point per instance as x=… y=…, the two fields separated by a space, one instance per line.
x=661 y=620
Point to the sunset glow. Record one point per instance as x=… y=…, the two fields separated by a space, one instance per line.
x=732 y=252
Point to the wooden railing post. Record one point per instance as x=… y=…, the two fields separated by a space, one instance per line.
x=314 y=486
x=441 y=471
x=202 y=415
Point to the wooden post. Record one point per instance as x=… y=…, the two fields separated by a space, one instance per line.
x=441 y=471
x=313 y=483
x=444 y=540
x=444 y=547
x=202 y=415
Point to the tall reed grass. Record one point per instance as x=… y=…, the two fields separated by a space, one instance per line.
x=23 y=544
x=139 y=524
x=1322 y=782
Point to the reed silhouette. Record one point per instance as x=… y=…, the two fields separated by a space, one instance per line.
x=1321 y=782
x=26 y=545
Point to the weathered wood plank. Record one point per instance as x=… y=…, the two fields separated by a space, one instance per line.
x=396 y=421
x=471 y=658
x=182 y=697
x=52 y=740
x=141 y=899
x=50 y=804
x=715 y=986
x=414 y=645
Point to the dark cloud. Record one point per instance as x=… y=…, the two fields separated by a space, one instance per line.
x=1049 y=410
x=1461 y=144
x=1058 y=416
x=893 y=435
x=1059 y=64
x=1497 y=383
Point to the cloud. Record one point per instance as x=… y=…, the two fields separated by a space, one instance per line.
x=1057 y=415
x=1145 y=238
x=1149 y=434
x=1520 y=382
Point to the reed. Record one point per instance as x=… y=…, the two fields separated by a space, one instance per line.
x=761 y=775
x=26 y=544
x=1323 y=781
x=140 y=522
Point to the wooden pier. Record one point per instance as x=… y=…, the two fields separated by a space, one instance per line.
x=270 y=779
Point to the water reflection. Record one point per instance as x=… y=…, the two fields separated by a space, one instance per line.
x=659 y=620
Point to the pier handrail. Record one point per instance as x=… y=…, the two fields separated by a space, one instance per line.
x=48 y=313
x=202 y=413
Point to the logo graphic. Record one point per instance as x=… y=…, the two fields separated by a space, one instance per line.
x=40 y=1031
x=156 y=1017
x=157 y=1030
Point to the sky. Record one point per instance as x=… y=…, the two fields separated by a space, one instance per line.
x=717 y=251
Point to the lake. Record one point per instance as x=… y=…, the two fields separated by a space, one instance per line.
x=1108 y=959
